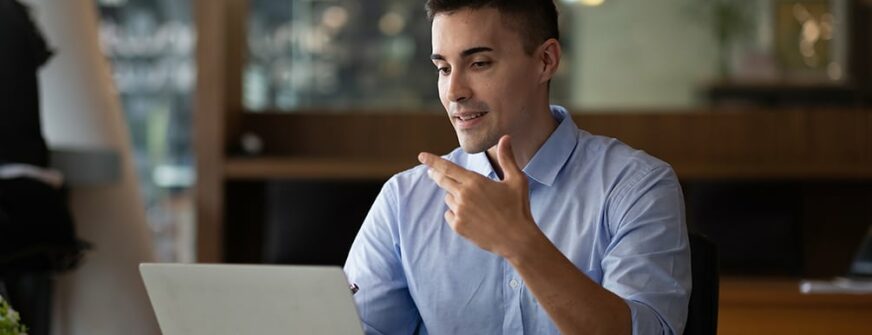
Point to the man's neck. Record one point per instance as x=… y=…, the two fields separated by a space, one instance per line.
x=526 y=144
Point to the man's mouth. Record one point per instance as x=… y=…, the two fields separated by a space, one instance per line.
x=469 y=116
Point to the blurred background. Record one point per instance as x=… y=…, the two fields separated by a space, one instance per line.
x=260 y=131
x=340 y=57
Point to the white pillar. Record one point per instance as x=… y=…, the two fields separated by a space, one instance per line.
x=80 y=108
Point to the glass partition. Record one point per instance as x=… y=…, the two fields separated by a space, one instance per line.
x=151 y=45
x=339 y=55
x=347 y=55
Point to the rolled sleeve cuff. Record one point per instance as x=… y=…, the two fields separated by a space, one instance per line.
x=646 y=321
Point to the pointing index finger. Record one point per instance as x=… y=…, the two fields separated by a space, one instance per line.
x=445 y=167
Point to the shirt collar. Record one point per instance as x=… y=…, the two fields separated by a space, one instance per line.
x=479 y=163
x=550 y=157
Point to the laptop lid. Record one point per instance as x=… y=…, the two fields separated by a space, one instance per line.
x=217 y=299
x=862 y=264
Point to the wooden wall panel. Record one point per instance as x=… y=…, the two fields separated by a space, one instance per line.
x=818 y=144
x=208 y=128
x=217 y=112
x=352 y=135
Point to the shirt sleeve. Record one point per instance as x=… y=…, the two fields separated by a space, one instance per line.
x=383 y=300
x=647 y=262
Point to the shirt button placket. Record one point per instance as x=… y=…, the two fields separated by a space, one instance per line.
x=513 y=322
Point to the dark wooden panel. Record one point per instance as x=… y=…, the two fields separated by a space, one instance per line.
x=790 y=144
x=816 y=137
x=355 y=135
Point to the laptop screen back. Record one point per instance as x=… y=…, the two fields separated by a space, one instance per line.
x=862 y=265
x=217 y=299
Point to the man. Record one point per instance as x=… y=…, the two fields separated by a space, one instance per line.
x=588 y=238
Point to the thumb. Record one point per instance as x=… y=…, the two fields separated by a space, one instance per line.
x=506 y=158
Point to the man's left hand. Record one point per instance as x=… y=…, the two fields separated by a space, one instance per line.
x=495 y=215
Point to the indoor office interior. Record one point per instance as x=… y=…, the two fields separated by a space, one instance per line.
x=260 y=132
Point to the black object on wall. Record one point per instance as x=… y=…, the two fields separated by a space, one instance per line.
x=295 y=222
x=315 y=222
x=756 y=226
x=782 y=228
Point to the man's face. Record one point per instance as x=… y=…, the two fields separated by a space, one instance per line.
x=486 y=80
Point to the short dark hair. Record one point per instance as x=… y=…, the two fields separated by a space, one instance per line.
x=535 y=20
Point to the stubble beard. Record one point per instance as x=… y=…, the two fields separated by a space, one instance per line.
x=476 y=141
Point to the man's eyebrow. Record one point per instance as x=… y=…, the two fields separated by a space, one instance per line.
x=472 y=51
x=464 y=54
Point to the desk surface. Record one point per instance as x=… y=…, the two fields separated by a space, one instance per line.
x=775 y=306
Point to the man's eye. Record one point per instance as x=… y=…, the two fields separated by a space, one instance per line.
x=443 y=70
x=479 y=65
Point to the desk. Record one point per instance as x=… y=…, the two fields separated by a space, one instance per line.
x=775 y=306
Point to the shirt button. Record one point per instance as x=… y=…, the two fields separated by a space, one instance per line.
x=514 y=283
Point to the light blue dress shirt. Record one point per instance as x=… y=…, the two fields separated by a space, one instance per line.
x=617 y=213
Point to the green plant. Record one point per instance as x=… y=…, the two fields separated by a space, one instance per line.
x=731 y=21
x=10 y=322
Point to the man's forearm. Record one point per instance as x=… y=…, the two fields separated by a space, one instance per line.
x=576 y=304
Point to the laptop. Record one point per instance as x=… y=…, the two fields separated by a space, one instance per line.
x=861 y=267
x=218 y=299
x=858 y=279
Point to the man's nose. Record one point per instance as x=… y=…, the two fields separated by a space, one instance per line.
x=458 y=87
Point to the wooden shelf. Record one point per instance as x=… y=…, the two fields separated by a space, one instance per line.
x=757 y=144
x=242 y=168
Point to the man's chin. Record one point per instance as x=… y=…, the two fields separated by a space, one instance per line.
x=473 y=150
x=474 y=147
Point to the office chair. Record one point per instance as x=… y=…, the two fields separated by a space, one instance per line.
x=702 y=314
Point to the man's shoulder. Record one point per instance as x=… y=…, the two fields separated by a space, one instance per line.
x=616 y=159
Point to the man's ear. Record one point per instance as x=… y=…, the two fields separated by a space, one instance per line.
x=549 y=55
